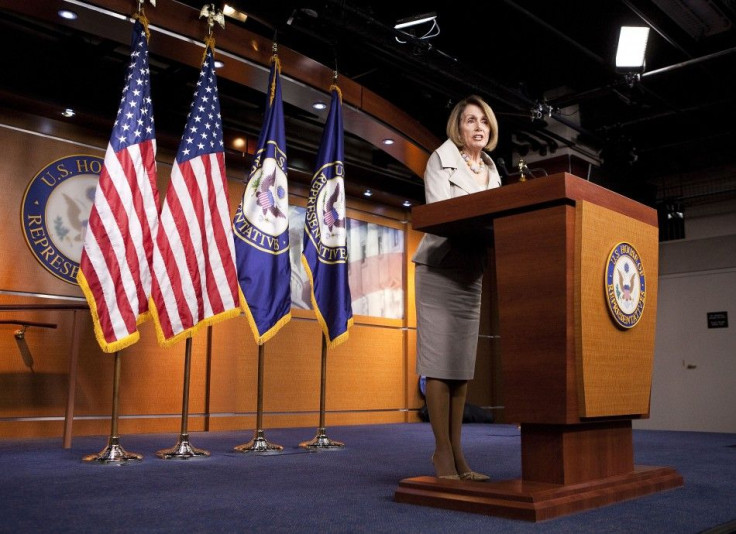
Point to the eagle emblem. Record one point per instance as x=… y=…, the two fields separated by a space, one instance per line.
x=330 y=208
x=625 y=285
x=55 y=210
x=264 y=208
x=330 y=214
x=626 y=282
x=267 y=194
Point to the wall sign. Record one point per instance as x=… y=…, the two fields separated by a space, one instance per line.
x=55 y=209
x=718 y=319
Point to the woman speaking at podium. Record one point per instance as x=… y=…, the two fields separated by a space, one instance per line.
x=449 y=276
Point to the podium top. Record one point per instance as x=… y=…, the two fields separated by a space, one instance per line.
x=475 y=213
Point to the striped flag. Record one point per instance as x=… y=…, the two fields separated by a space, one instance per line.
x=195 y=282
x=261 y=225
x=115 y=268
x=325 y=255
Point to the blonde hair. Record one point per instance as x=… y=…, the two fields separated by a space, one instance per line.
x=453 y=122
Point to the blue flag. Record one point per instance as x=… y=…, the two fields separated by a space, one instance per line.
x=261 y=225
x=325 y=255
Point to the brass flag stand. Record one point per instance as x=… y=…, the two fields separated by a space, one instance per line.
x=183 y=450
x=114 y=453
x=259 y=443
x=321 y=441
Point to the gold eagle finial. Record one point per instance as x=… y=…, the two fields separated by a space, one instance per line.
x=141 y=2
x=213 y=15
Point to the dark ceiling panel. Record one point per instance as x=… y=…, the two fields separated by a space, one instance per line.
x=521 y=55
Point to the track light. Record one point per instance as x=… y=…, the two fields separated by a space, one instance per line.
x=416 y=20
x=404 y=24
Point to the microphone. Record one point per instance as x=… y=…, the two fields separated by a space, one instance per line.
x=502 y=170
x=526 y=170
x=530 y=172
x=536 y=169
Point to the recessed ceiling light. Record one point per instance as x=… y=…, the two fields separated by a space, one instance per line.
x=68 y=112
x=239 y=142
x=388 y=141
x=219 y=64
x=407 y=204
x=67 y=14
x=367 y=193
x=319 y=105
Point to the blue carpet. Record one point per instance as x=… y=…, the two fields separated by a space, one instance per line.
x=45 y=488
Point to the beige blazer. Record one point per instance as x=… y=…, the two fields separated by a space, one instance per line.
x=448 y=176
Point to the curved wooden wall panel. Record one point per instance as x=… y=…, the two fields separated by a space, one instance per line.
x=370 y=378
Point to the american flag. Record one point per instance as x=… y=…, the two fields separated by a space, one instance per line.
x=115 y=268
x=195 y=282
x=325 y=255
x=261 y=225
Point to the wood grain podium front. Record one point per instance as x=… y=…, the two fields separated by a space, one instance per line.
x=574 y=377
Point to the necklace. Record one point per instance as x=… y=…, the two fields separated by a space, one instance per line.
x=476 y=168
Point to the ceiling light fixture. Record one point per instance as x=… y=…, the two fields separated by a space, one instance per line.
x=319 y=106
x=219 y=64
x=68 y=112
x=632 y=45
x=410 y=22
x=367 y=193
x=407 y=204
x=388 y=141
x=230 y=11
x=416 y=20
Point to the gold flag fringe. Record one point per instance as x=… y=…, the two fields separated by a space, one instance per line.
x=108 y=347
x=262 y=338
x=189 y=332
x=331 y=343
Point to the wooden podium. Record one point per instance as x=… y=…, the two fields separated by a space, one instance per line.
x=573 y=377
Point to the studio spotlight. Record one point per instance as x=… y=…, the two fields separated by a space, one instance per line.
x=632 y=46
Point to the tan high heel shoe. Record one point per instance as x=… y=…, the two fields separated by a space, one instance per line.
x=446 y=477
x=472 y=475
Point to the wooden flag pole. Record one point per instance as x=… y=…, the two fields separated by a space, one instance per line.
x=321 y=441
x=259 y=443
x=72 y=387
x=183 y=450
x=114 y=453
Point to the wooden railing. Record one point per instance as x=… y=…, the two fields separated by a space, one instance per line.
x=73 y=352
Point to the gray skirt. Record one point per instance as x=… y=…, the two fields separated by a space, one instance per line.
x=448 y=316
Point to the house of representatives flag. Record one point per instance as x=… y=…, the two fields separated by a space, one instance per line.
x=325 y=255
x=195 y=282
x=261 y=225
x=115 y=267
